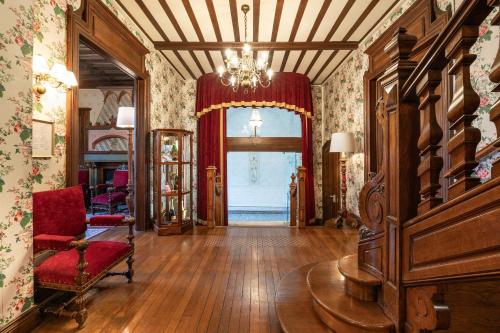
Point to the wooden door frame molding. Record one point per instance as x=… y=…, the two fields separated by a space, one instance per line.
x=98 y=26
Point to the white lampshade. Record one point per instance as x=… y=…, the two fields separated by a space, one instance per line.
x=342 y=142
x=126 y=117
x=40 y=65
x=255 y=119
x=58 y=72
x=71 y=79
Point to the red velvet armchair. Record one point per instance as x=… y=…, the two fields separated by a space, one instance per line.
x=77 y=264
x=114 y=196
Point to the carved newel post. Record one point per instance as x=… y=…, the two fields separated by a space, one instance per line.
x=293 y=201
x=301 y=180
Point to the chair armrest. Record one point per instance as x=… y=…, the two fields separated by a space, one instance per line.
x=106 y=220
x=110 y=189
x=81 y=246
x=52 y=242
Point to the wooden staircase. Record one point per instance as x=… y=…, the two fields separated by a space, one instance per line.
x=332 y=296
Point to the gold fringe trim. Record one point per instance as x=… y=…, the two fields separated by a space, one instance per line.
x=291 y=107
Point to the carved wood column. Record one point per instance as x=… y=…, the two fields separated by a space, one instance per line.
x=464 y=137
x=495 y=109
x=428 y=143
x=301 y=180
x=211 y=170
x=219 y=201
x=400 y=169
x=293 y=201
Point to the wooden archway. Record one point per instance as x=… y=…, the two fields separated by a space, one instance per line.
x=94 y=23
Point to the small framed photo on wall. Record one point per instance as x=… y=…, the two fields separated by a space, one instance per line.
x=43 y=138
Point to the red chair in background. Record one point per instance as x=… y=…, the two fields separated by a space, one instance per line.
x=115 y=195
x=59 y=224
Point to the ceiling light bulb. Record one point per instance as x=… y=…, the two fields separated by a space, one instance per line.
x=270 y=73
x=220 y=70
x=229 y=53
x=233 y=80
x=247 y=48
x=254 y=80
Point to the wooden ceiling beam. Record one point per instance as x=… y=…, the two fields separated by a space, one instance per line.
x=276 y=24
x=177 y=27
x=157 y=26
x=257 y=46
x=196 y=26
x=314 y=29
x=215 y=23
x=256 y=16
x=293 y=33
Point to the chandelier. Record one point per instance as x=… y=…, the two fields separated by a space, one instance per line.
x=245 y=72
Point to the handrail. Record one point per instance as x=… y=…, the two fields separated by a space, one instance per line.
x=470 y=12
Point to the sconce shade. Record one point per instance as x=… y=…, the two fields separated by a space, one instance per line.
x=58 y=72
x=342 y=142
x=126 y=117
x=255 y=119
x=40 y=65
x=70 y=79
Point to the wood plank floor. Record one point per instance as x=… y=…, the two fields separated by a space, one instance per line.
x=219 y=280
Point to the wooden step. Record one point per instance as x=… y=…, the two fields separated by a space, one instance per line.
x=294 y=304
x=338 y=310
x=359 y=284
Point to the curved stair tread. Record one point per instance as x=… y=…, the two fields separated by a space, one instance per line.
x=326 y=285
x=294 y=304
x=348 y=267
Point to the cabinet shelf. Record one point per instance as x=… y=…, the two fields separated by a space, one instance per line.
x=172 y=186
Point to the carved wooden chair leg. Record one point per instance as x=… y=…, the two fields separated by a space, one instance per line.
x=130 y=273
x=80 y=315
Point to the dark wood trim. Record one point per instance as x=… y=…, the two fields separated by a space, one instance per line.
x=196 y=26
x=293 y=33
x=157 y=26
x=335 y=26
x=215 y=23
x=234 y=19
x=276 y=24
x=256 y=17
x=257 y=46
x=94 y=23
x=264 y=144
x=173 y=20
x=25 y=322
x=313 y=31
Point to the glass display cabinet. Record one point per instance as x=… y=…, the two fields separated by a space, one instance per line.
x=172 y=181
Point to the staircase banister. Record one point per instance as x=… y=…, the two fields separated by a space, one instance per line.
x=470 y=12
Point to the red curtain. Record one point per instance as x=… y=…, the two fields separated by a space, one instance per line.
x=291 y=91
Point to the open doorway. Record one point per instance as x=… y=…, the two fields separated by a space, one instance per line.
x=263 y=150
x=103 y=172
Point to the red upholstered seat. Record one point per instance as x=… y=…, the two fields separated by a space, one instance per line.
x=61 y=267
x=116 y=197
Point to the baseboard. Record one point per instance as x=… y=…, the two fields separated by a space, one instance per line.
x=26 y=322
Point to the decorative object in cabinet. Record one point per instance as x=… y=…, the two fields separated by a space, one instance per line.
x=172 y=181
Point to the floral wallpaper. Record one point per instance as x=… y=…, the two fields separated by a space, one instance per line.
x=17 y=173
x=317 y=124
x=30 y=27
x=343 y=97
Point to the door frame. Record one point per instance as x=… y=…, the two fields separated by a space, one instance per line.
x=98 y=26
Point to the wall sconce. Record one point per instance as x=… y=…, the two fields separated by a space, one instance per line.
x=58 y=76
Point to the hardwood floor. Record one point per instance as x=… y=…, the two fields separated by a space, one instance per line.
x=219 y=280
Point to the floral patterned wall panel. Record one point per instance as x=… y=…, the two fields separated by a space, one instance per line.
x=317 y=97
x=344 y=99
x=17 y=174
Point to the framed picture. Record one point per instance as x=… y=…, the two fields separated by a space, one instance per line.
x=43 y=138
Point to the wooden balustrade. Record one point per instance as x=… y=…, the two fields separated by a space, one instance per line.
x=211 y=172
x=293 y=201
x=219 y=201
x=495 y=110
x=301 y=180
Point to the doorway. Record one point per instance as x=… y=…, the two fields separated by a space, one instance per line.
x=103 y=172
x=263 y=150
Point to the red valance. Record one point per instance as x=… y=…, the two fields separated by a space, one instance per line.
x=291 y=91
